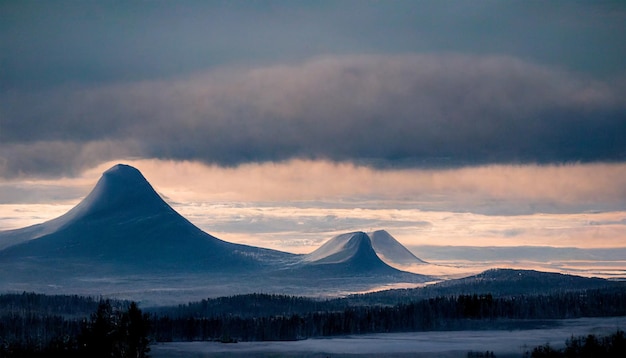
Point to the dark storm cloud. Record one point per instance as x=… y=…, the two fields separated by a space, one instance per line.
x=48 y=43
x=427 y=110
x=57 y=158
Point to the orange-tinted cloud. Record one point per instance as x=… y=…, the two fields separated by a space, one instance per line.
x=523 y=188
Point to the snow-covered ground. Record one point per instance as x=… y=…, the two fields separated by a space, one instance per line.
x=417 y=344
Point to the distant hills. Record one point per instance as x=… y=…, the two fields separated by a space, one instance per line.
x=123 y=239
x=518 y=282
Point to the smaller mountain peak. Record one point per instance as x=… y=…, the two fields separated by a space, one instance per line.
x=341 y=248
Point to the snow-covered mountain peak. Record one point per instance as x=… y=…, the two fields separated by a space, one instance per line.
x=123 y=171
x=122 y=180
x=353 y=255
x=339 y=247
x=121 y=188
x=121 y=193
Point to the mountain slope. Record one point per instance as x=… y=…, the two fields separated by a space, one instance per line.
x=391 y=251
x=124 y=221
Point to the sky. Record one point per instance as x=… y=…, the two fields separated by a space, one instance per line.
x=283 y=123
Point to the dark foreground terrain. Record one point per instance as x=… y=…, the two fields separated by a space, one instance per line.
x=452 y=344
x=38 y=325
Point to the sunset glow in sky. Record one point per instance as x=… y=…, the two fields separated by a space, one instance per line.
x=283 y=123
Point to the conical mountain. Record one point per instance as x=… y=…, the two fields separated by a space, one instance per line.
x=121 y=190
x=124 y=221
x=353 y=249
x=352 y=254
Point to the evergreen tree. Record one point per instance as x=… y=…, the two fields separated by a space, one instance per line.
x=98 y=335
x=136 y=327
x=113 y=333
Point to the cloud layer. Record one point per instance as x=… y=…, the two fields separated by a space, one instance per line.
x=492 y=189
x=418 y=110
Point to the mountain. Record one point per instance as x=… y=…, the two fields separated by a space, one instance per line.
x=514 y=282
x=124 y=240
x=497 y=282
x=351 y=253
x=347 y=262
x=124 y=221
x=391 y=251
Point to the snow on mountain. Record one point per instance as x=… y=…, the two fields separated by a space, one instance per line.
x=121 y=189
x=375 y=246
x=353 y=247
x=391 y=251
x=332 y=247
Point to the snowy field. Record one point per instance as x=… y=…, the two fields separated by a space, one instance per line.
x=418 y=344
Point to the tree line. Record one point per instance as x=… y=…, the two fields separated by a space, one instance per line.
x=440 y=313
x=29 y=303
x=121 y=329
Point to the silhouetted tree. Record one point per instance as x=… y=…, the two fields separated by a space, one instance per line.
x=98 y=335
x=136 y=328
x=113 y=333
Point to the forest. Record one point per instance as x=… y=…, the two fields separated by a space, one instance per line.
x=40 y=325
x=49 y=326
x=273 y=317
